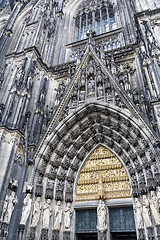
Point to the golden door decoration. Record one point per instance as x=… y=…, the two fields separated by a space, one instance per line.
x=103 y=177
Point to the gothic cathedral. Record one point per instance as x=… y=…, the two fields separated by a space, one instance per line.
x=79 y=119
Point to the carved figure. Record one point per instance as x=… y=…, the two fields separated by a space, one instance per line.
x=82 y=95
x=90 y=67
x=36 y=212
x=83 y=80
x=138 y=211
x=47 y=211
x=91 y=87
x=146 y=212
x=26 y=209
x=58 y=216
x=158 y=196
x=100 y=90
x=8 y=207
x=67 y=217
x=100 y=188
x=101 y=214
x=155 y=207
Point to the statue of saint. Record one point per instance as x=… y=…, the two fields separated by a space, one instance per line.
x=58 y=216
x=36 y=212
x=138 y=211
x=102 y=216
x=47 y=211
x=158 y=197
x=154 y=205
x=8 y=207
x=146 y=212
x=91 y=87
x=26 y=209
x=67 y=217
x=100 y=188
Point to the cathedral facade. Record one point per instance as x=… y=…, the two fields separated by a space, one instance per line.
x=80 y=119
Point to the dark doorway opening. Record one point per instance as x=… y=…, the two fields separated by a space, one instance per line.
x=124 y=236
x=87 y=236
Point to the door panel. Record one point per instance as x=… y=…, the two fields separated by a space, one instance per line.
x=86 y=221
x=121 y=219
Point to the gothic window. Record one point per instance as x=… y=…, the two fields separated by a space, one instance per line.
x=101 y=21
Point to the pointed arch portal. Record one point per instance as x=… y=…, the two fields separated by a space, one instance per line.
x=62 y=160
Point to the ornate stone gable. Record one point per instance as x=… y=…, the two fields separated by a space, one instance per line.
x=93 y=82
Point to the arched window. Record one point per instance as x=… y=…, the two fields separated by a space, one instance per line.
x=101 y=21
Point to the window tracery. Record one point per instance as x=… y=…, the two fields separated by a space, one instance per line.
x=95 y=17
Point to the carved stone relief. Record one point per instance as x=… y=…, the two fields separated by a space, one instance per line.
x=115 y=180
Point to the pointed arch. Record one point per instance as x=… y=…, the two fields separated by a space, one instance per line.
x=75 y=137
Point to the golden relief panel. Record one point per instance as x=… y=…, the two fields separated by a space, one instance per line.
x=103 y=177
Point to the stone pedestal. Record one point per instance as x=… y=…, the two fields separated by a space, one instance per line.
x=4 y=229
x=158 y=231
x=102 y=235
x=44 y=234
x=55 y=235
x=66 y=236
x=141 y=234
x=21 y=231
x=31 y=235
x=151 y=234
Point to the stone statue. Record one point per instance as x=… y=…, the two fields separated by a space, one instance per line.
x=36 y=212
x=154 y=205
x=102 y=216
x=100 y=188
x=146 y=212
x=67 y=217
x=91 y=87
x=138 y=211
x=158 y=196
x=26 y=209
x=58 y=216
x=47 y=211
x=8 y=207
x=90 y=69
x=100 y=90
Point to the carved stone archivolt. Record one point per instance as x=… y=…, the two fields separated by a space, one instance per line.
x=97 y=124
x=114 y=136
